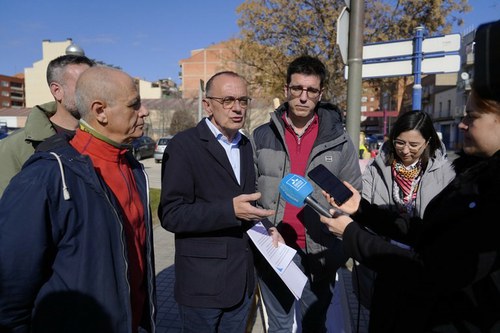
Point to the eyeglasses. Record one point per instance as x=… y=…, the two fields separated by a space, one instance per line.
x=228 y=101
x=296 y=91
x=412 y=146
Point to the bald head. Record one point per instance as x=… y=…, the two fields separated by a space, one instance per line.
x=109 y=101
x=100 y=83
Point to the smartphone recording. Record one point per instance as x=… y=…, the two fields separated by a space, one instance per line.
x=330 y=184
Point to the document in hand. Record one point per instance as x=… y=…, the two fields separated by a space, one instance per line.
x=280 y=259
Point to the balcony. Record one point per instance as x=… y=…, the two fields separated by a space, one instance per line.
x=16 y=98
x=469 y=59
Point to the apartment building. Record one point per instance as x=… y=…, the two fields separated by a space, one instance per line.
x=202 y=64
x=36 y=87
x=12 y=91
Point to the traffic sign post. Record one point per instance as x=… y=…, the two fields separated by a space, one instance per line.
x=417 y=56
x=417 y=70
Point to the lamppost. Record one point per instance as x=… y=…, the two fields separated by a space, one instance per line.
x=74 y=49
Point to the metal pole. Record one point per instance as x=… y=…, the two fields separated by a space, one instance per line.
x=417 y=69
x=355 y=62
x=200 y=99
x=385 y=121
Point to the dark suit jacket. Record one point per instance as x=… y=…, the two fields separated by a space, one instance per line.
x=213 y=259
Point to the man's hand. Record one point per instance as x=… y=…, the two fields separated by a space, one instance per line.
x=276 y=236
x=244 y=210
x=350 y=206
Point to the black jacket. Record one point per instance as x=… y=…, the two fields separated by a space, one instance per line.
x=451 y=281
x=213 y=258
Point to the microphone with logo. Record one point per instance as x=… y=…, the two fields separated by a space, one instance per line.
x=297 y=191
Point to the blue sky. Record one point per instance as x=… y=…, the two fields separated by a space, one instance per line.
x=145 y=38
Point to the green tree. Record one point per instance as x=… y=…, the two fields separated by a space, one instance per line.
x=181 y=120
x=275 y=31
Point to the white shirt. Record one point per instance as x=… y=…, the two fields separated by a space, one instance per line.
x=231 y=148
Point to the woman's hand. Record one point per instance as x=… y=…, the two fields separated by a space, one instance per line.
x=350 y=206
x=337 y=223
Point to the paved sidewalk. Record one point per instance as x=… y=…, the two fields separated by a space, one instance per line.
x=342 y=315
x=168 y=314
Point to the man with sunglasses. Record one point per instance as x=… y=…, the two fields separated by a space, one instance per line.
x=208 y=191
x=303 y=133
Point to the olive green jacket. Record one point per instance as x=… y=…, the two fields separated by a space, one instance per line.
x=20 y=145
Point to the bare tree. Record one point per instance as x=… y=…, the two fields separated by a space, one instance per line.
x=275 y=31
x=181 y=120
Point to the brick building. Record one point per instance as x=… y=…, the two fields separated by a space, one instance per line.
x=202 y=64
x=12 y=91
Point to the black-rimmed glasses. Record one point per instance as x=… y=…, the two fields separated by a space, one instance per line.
x=228 y=101
x=296 y=91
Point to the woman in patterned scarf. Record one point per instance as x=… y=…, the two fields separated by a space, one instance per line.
x=409 y=171
x=449 y=280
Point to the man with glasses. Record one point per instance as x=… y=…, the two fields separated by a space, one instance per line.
x=303 y=133
x=208 y=191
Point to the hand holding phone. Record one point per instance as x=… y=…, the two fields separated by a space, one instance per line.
x=330 y=184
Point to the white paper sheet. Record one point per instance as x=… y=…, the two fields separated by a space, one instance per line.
x=280 y=259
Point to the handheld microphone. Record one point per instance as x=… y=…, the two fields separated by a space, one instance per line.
x=297 y=191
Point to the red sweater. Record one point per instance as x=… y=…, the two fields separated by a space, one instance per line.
x=293 y=230
x=110 y=163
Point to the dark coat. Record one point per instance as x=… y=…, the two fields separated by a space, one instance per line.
x=333 y=149
x=68 y=255
x=213 y=258
x=451 y=281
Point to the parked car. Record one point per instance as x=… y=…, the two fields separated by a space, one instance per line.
x=3 y=130
x=143 y=147
x=160 y=147
x=374 y=141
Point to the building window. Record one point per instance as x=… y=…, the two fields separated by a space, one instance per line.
x=364 y=99
x=372 y=99
x=449 y=106
x=5 y=104
x=4 y=84
x=16 y=85
x=5 y=93
x=363 y=108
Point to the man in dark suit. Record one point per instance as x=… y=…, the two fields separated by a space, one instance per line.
x=208 y=185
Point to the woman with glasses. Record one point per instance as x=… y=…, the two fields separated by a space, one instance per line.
x=409 y=171
x=450 y=279
x=411 y=167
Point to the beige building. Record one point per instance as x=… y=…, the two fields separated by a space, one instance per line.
x=148 y=89
x=35 y=81
x=36 y=88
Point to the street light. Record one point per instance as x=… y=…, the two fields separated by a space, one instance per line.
x=75 y=50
